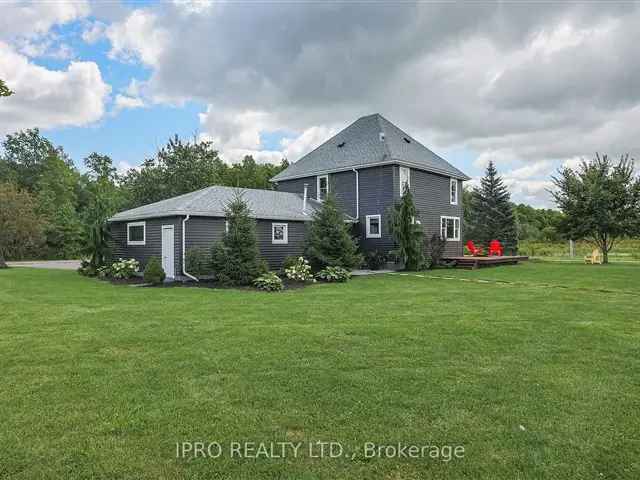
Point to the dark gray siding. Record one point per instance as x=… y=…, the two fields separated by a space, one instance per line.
x=153 y=241
x=431 y=196
x=342 y=184
x=275 y=254
x=376 y=198
x=205 y=231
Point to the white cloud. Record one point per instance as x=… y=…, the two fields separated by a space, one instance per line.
x=30 y=19
x=49 y=98
x=138 y=37
x=94 y=31
x=124 y=101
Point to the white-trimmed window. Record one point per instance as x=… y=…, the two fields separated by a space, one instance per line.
x=450 y=228
x=374 y=226
x=226 y=226
x=405 y=178
x=280 y=233
x=322 y=187
x=136 y=233
x=453 y=191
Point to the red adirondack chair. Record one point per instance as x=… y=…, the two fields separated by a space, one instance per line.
x=475 y=251
x=495 y=248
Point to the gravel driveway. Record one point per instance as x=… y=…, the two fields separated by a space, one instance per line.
x=54 y=264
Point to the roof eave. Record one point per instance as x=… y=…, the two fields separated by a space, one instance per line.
x=393 y=161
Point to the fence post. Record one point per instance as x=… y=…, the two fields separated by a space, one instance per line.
x=571 y=249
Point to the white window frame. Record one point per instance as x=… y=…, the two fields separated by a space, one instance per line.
x=283 y=241
x=443 y=232
x=452 y=182
x=318 y=186
x=408 y=170
x=226 y=226
x=368 y=226
x=144 y=233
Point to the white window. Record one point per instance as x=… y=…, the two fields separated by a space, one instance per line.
x=405 y=178
x=226 y=226
x=279 y=233
x=374 y=226
x=322 y=184
x=453 y=191
x=450 y=228
x=136 y=233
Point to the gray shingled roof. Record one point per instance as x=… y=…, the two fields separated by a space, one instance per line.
x=210 y=202
x=363 y=147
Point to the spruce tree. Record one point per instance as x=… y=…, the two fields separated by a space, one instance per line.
x=236 y=259
x=329 y=242
x=490 y=213
x=407 y=232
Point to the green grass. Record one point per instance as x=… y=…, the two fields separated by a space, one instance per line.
x=101 y=381
x=625 y=250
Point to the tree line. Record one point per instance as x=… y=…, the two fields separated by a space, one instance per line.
x=51 y=210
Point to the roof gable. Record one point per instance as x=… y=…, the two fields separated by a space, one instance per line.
x=369 y=141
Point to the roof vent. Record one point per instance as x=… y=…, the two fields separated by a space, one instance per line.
x=382 y=136
x=406 y=139
x=340 y=145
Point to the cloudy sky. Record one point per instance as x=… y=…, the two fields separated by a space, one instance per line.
x=531 y=86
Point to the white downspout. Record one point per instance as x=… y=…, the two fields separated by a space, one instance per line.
x=304 y=198
x=184 y=266
x=357 y=194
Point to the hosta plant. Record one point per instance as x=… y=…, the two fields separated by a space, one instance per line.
x=269 y=282
x=334 y=274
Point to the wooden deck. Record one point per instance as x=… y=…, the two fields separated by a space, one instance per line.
x=470 y=262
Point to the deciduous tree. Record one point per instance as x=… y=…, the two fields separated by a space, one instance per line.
x=600 y=201
x=20 y=225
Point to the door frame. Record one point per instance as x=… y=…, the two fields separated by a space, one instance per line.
x=173 y=249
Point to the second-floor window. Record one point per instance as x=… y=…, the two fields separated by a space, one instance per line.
x=453 y=189
x=405 y=179
x=322 y=187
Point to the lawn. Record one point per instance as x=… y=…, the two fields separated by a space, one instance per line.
x=535 y=379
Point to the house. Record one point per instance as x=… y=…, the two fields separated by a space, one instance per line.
x=365 y=166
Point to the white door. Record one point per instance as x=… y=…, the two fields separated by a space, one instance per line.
x=168 y=251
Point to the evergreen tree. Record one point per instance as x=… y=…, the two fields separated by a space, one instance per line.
x=329 y=242
x=236 y=259
x=407 y=232
x=490 y=214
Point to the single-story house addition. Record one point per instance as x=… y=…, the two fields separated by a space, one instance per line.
x=167 y=229
x=365 y=166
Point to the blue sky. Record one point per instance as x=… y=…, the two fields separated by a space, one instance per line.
x=275 y=80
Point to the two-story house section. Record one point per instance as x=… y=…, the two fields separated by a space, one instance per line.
x=366 y=165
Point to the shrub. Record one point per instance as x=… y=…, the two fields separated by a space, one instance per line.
x=334 y=274
x=236 y=259
x=87 y=269
x=329 y=242
x=289 y=262
x=124 y=269
x=300 y=271
x=407 y=232
x=375 y=260
x=103 y=272
x=435 y=250
x=198 y=262
x=153 y=272
x=269 y=282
